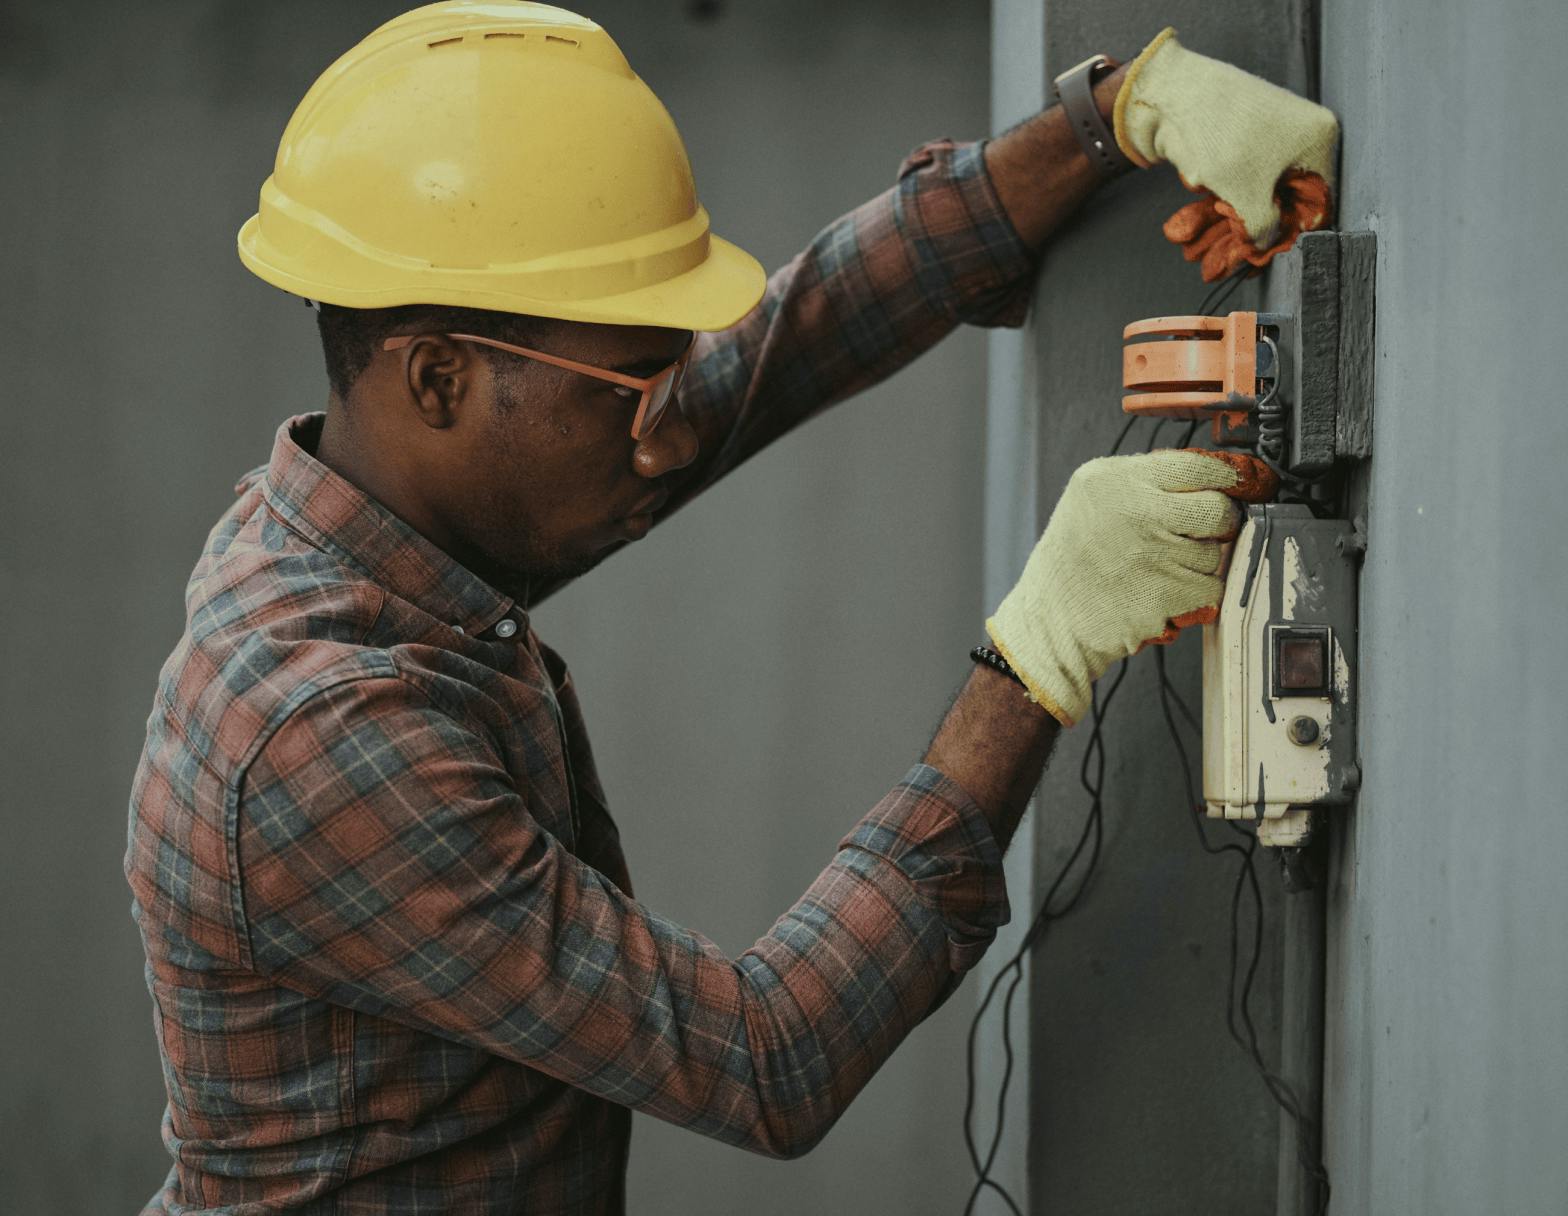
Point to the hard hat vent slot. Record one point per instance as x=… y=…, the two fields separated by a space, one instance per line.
x=503 y=34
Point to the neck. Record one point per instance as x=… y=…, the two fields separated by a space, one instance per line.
x=343 y=449
x=350 y=453
x=333 y=448
x=346 y=450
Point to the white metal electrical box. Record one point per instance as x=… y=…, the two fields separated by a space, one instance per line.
x=1279 y=706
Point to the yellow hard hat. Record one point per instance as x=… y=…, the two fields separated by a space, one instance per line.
x=498 y=155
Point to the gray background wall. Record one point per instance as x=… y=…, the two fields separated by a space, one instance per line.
x=799 y=631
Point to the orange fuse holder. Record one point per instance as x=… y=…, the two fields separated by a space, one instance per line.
x=1194 y=368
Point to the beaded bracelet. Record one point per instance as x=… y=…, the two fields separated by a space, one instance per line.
x=984 y=654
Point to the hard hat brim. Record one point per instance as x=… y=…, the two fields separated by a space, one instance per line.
x=713 y=295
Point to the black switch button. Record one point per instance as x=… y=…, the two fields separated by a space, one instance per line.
x=1301 y=661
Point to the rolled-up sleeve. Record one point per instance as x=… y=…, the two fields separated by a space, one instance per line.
x=388 y=862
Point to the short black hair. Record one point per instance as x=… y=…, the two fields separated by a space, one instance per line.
x=351 y=336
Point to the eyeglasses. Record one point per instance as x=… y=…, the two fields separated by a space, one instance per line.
x=657 y=390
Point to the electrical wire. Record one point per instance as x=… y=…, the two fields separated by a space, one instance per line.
x=1222 y=290
x=1238 y=1012
x=1094 y=754
x=1239 y=1007
x=1091 y=836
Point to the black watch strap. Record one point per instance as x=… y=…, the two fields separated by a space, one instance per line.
x=1075 y=88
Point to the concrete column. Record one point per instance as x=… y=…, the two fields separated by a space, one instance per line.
x=1138 y=1100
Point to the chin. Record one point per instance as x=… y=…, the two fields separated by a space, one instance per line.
x=561 y=567
x=547 y=570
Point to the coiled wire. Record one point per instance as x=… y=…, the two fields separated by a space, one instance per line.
x=1269 y=416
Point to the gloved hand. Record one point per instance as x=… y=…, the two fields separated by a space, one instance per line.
x=1263 y=156
x=1132 y=553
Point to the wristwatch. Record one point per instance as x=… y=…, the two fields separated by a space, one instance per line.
x=1075 y=88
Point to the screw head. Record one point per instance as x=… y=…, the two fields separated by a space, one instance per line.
x=1303 y=730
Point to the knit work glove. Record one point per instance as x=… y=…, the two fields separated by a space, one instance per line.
x=1131 y=554
x=1262 y=156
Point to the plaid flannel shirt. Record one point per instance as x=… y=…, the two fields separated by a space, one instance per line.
x=395 y=959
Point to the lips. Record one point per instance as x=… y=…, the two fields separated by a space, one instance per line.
x=650 y=504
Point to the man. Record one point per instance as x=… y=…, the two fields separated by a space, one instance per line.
x=394 y=954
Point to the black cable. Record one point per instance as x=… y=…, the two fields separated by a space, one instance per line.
x=1222 y=290
x=1094 y=753
x=1187 y=715
x=1122 y=434
x=1306 y=1127
x=1092 y=830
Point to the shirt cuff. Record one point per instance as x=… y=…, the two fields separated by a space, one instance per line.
x=969 y=259
x=932 y=832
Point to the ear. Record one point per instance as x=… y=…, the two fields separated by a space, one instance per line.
x=441 y=377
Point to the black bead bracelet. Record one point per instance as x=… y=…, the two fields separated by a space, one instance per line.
x=984 y=654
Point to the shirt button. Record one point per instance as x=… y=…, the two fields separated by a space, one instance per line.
x=505 y=628
x=459 y=628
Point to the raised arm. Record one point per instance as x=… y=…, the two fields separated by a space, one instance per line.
x=953 y=241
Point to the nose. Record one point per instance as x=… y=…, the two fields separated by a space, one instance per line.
x=672 y=445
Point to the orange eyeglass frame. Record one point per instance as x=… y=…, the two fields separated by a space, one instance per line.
x=651 y=387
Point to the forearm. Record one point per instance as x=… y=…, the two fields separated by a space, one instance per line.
x=514 y=945
x=994 y=743
x=1040 y=172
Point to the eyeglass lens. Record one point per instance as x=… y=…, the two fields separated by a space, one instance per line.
x=660 y=397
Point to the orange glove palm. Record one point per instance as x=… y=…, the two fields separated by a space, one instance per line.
x=1210 y=232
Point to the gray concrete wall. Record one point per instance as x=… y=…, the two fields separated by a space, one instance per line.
x=1447 y=1061
x=792 y=622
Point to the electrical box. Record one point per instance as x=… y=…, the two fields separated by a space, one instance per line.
x=1279 y=703
x=1293 y=385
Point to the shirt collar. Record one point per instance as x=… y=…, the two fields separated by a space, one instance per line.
x=342 y=519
